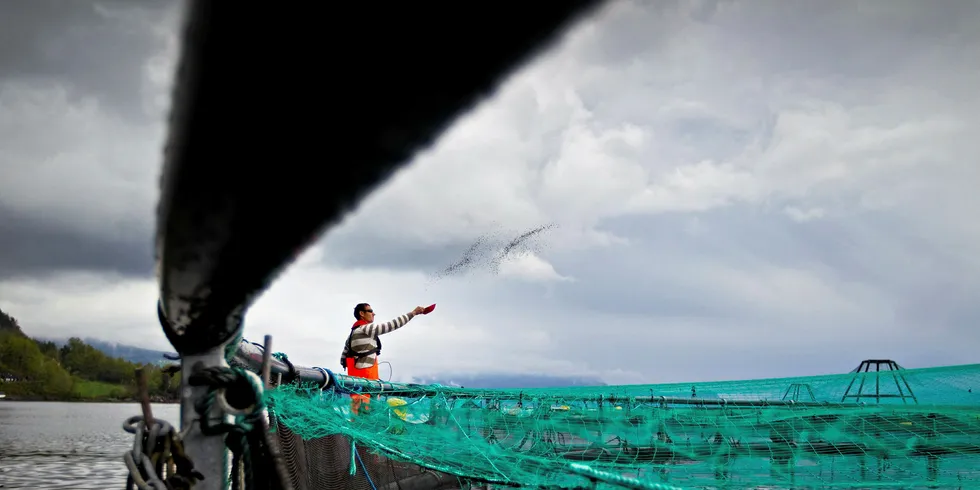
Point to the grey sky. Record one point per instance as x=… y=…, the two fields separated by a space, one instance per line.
x=94 y=49
x=741 y=189
x=83 y=92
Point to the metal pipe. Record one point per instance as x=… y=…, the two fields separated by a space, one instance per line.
x=250 y=356
x=222 y=233
x=266 y=357
x=225 y=231
x=207 y=452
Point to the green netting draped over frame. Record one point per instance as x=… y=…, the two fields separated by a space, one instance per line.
x=881 y=427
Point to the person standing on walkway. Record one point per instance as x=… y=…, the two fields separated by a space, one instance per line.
x=360 y=355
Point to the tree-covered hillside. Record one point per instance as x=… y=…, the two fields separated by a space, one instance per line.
x=39 y=370
x=9 y=324
x=132 y=354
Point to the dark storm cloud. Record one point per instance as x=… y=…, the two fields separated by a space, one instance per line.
x=91 y=153
x=29 y=247
x=83 y=45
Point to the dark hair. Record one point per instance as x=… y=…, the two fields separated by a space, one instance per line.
x=358 y=309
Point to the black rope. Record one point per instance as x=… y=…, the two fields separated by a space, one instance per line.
x=293 y=373
x=253 y=466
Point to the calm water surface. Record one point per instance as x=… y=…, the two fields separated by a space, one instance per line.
x=67 y=445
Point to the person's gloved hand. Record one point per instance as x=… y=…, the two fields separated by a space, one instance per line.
x=424 y=311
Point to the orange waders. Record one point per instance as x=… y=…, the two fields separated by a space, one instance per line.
x=369 y=373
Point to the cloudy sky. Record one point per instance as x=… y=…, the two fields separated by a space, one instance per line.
x=738 y=189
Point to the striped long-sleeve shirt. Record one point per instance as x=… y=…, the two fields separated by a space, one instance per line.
x=362 y=339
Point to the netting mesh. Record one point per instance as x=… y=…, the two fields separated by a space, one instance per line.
x=881 y=427
x=326 y=462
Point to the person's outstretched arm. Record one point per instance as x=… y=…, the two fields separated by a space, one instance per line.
x=375 y=329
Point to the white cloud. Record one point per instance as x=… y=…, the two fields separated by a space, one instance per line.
x=664 y=133
x=530 y=267
x=85 y=305
x=804 y=215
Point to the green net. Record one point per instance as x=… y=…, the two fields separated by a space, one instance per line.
x=878 y=426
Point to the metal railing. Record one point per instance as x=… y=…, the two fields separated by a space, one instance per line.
x=255 y=358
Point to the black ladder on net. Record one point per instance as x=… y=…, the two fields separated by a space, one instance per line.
x=799 y=390
x=892 y=370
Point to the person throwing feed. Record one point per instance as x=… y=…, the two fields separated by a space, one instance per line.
x=363 y=346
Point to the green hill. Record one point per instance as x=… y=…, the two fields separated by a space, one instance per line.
x=32 y=369
x=137 y=355
x=8 y=324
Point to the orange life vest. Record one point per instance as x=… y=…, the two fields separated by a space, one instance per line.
x=352 y=370
x=369 y=372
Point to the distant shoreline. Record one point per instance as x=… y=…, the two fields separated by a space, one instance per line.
x=89 y=400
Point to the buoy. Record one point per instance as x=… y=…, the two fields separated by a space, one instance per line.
x=398 y=402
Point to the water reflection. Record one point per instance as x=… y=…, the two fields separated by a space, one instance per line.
x=66 y=445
